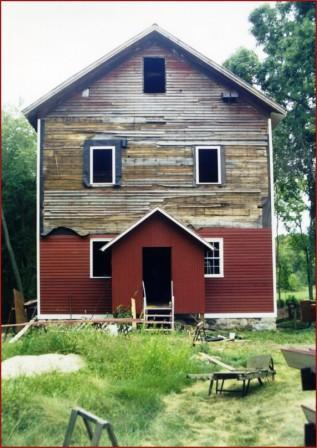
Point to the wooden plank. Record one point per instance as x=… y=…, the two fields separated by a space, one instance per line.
x=20 y=313
x=133 y=312
x=213 y=360
x=22 y=332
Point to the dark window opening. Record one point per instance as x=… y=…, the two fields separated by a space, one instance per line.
x=208 y=169
x=101 y=261
x=154 y=75
x=102 y=164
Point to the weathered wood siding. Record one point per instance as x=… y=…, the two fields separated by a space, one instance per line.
x=158 y=165
x=247 y=285
x=66 y=286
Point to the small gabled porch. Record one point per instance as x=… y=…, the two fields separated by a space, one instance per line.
x=160 y=263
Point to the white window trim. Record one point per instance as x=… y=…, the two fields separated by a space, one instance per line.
x=102 y=184
x=91 y=255
x=197 y=148
x=220 y=241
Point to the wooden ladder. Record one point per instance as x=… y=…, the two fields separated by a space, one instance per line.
x=158 y=317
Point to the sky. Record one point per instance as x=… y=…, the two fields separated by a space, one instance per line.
x=44 y=43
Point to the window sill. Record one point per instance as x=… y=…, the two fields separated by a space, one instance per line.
x=208 y=183
x=213 y=275
x=102 y=185
x=98 y=277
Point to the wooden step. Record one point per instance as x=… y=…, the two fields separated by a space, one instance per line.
x=157 y=308
x=158 y=315
x=166 y=322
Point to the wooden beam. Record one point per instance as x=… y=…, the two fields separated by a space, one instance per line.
x=211 y=359
x=22 y=332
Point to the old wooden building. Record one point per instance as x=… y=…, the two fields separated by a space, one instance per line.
x=155 y=182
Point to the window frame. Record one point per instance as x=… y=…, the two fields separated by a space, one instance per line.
x=93 y=148
x=221 y=258
x=143 y=73
x=91 y=256
x=218 y=148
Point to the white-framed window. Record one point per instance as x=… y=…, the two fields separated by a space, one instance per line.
x=214 y=258
x=208 y=165
x=100 y=262
x=102 y=165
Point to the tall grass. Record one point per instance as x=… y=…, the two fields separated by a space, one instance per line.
x=124 y=380
x=138 y=382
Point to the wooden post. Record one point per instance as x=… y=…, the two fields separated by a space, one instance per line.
x=20 y=313
x=133 y=312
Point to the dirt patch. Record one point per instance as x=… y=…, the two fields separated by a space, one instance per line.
x=35 y=365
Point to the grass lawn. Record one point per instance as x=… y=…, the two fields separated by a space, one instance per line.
x=138 y=382
x=300 y=295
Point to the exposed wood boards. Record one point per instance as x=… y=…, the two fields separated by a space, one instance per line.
x=97 y=211
x=115 y=57
x=190 y=95
x=162 y=131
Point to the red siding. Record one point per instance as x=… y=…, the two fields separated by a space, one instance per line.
x=65 y=284
x=247 y=285
x=187 y=264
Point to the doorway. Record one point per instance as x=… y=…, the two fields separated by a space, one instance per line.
x=157 y=274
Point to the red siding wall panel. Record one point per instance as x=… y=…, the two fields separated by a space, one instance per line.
x=247 y=285
x=65 y=284
x=187 y=265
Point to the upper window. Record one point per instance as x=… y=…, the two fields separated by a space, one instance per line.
x=100 y=262
x=154 y=75
x=214 y=258
x=102 y=162
x=208 y=165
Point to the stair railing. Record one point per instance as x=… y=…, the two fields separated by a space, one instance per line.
x=173 y=304
x=144 y=297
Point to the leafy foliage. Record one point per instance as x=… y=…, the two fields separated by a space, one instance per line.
x=244 y=63
x=286 y=34
x=19 y=202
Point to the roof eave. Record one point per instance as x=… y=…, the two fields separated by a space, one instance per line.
x=147 y=216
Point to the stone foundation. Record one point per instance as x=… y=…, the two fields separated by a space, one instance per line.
x=262 y=323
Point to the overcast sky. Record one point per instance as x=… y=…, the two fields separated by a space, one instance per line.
x=44 y=43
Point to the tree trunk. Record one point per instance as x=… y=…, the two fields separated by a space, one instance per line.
x=11 y=255
x=277 y=260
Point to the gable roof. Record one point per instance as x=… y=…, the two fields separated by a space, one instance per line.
x=89 y=74
x=147 y=216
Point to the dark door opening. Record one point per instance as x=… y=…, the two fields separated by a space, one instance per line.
x=157 y=274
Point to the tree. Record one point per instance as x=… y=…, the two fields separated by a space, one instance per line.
x=244 y=63
x=286 y=34
x=19 y=204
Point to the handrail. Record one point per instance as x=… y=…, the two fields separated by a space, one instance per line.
x=173 y=303
x=144 y=296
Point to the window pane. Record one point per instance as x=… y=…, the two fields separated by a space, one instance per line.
x=154 y=75
x=101 y=262
x=212 y=260
x=208 y=165
x=102 y=165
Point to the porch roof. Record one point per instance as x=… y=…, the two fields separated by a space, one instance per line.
x=148 y=215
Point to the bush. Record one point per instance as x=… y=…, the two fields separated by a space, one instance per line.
x=122 y=312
